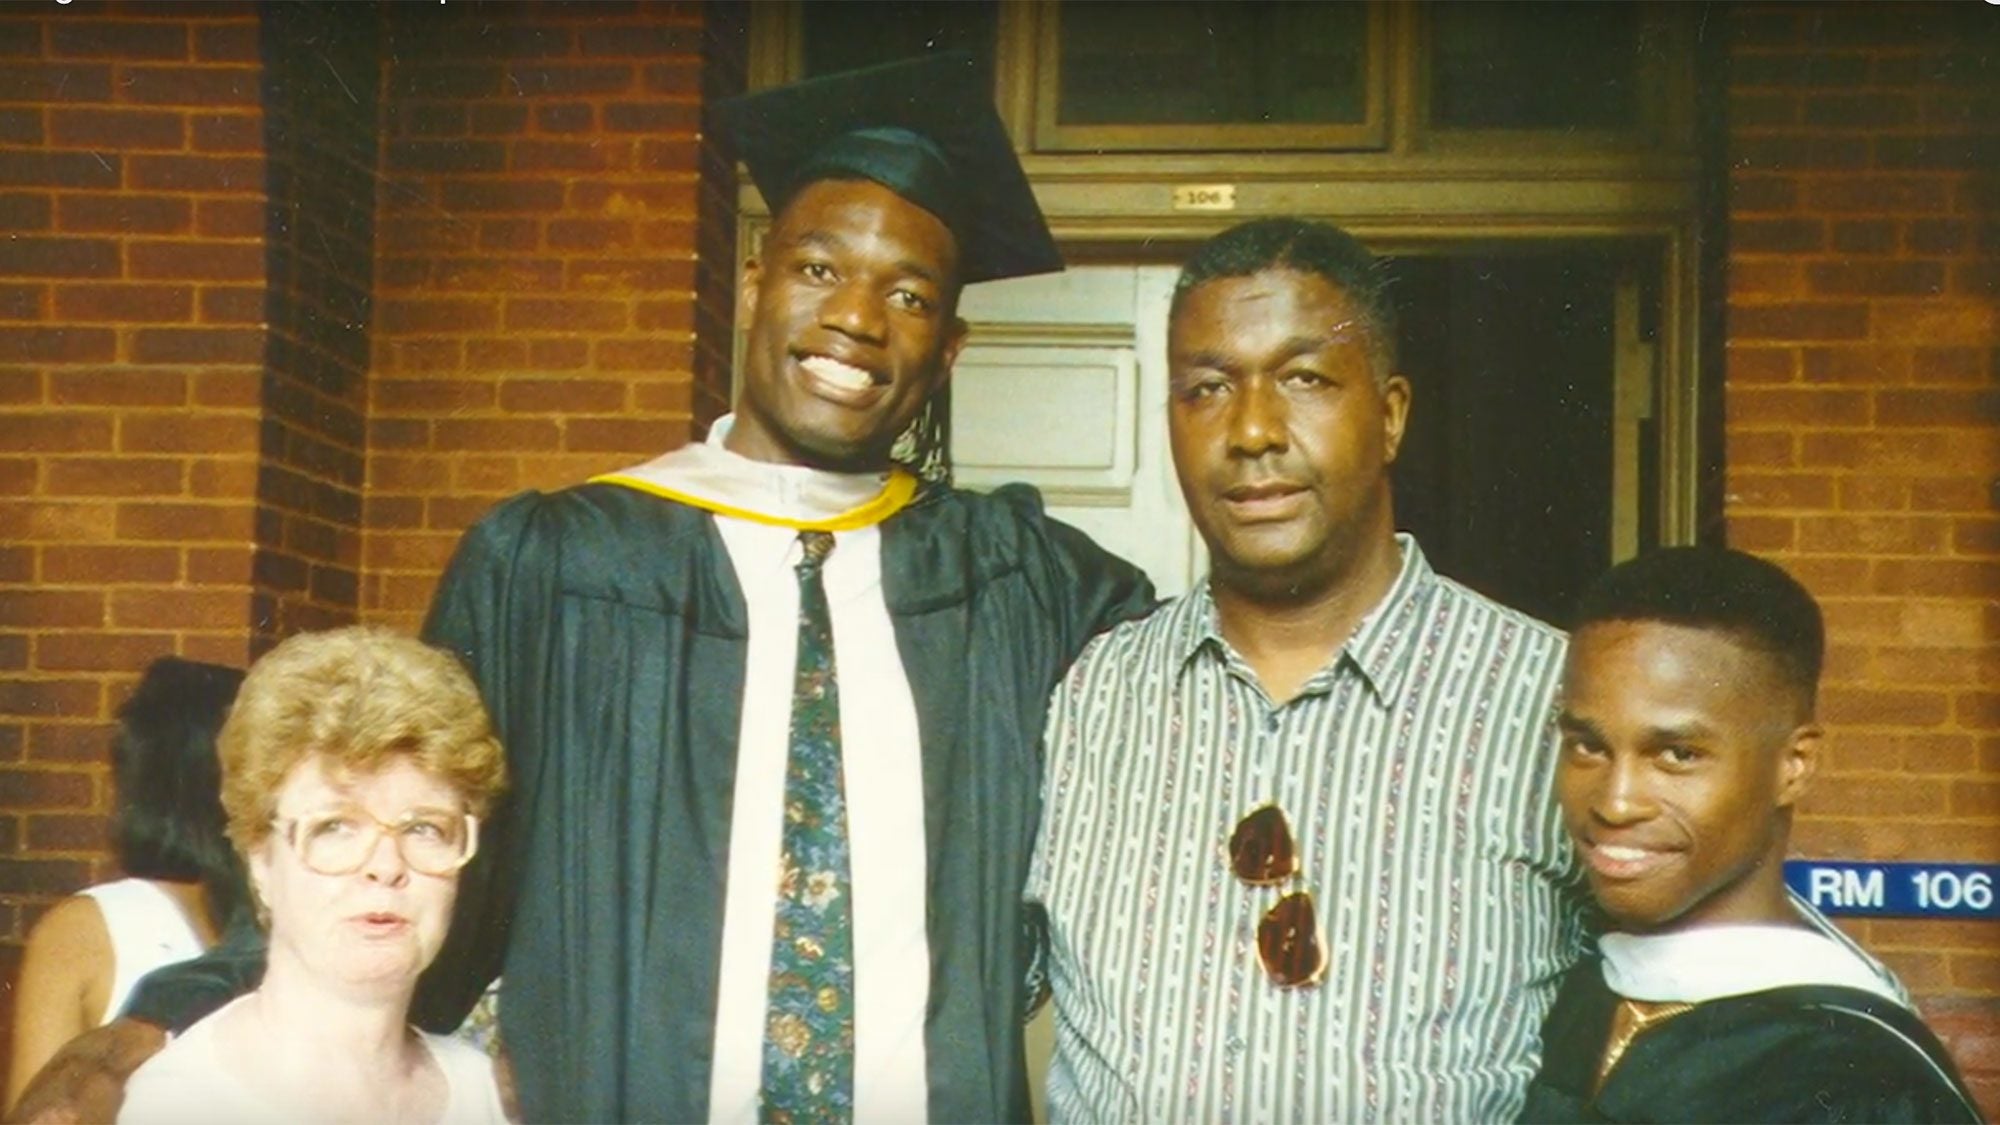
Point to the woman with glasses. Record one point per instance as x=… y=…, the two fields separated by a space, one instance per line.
x=356 y=765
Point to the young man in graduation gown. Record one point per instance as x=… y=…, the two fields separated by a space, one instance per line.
x=772 y=704
x=1688 y=737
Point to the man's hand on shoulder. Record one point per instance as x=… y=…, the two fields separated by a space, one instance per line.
x=85 y=1081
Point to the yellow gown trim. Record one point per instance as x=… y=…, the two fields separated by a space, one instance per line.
x=894 y=497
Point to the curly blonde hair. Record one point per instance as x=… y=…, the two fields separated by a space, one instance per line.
x=357 y=697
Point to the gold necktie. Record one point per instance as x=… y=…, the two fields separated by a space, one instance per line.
x=1631 y=1018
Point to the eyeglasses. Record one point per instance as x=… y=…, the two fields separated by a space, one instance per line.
x=1262 y=853
x=339 y=841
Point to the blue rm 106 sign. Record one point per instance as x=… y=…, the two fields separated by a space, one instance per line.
x=1897 y=890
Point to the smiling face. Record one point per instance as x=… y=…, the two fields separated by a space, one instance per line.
x=375 y=928
x=852 y=326
x=1282 y=430
x=1683 y=751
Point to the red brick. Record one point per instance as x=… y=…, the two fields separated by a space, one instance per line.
x=228 y=304
x=566 y=117
x=53 y=432
x=173 y=608
x=205 y=346
x=203 y=87
x=1880 y=796
x=507 y=275
x=52 y=609
x=494 y=433
x=173 y=433
x=118 y=387
x=1756 y=277
x=436 y=315
x=566 y=315
x=1871 y=493
x=1871 y=535
x=1799 y=321
x=107 y=37
x=125 y=303
x=465 y=196
x=1936 y=323
x=1876 y=279
x=1756 y=490
x=229 y=132
x=45 y=876
x=1947 y=577
x=229 y=218
x=83 y=833
x=22 y=302
x=58 y=257
x=1937 y=407
x=41 y=82
x=22 y=125
x=69 y=742
x=497 y=355
x=457 y=155
x=116 y=129
x=85 y=564
x=1760 y=533
x=558 y=355
x=227 y=174
x=57 y=345
x=1876 y=193
x=226 y=43
x=114 y=476
x=431 y=396
x=562 y=396
x=23 y=213
x=1789 y=152
x=572 y=79
x=1769 y=406
x=195 y=261
x=590 y=234
x=510 y=234
x=50 y=698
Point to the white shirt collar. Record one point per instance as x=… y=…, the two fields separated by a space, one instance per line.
x=1711 y=962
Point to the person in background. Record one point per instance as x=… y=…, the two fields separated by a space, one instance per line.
x=1688 y=737
x=182 y=881
x=356 y=766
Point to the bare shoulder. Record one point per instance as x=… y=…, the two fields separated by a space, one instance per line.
x=74 y=926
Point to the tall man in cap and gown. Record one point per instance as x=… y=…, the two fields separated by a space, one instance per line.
x=773 y=704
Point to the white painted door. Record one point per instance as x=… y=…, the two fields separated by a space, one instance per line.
x=1063 y=384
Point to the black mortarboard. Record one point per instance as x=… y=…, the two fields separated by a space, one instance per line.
x=925 y=129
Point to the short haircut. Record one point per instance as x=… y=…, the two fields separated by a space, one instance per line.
x=1307 y=247
x=1716 y=588
x=357 y=699
x=168 y=821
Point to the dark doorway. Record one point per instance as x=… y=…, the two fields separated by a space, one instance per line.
x=1506 y=472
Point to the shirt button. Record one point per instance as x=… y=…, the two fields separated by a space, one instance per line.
x=1271 y=723
x=1235 y=1044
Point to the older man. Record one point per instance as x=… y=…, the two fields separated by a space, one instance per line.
x=1298 y=857
x=773 y=705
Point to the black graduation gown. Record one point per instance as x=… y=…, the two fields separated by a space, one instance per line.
x=1816 y=1053
x=607 y=633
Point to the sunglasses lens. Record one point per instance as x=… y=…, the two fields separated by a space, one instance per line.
x=1261 y=850
x=1288 y=941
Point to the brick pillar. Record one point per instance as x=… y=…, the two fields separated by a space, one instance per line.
x=541 y=316
x=131 y=273
x=1863 y=434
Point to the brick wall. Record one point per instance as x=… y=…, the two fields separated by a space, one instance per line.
x=426 y=254
x=319 y=92
x=540 y=313
x=130 y=279
x=1863 y=434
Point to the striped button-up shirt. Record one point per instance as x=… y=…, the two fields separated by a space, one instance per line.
x=1416 y=771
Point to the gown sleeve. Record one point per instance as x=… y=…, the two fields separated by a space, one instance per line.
x=485 y=611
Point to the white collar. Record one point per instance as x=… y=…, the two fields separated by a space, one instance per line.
x=711 y=472
x=1711 y=962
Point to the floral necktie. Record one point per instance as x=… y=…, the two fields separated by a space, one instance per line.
x=808 y=1072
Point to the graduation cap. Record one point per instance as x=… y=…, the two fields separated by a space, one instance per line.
x=926 y=130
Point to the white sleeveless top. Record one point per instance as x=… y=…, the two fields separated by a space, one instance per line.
x=147 y=930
